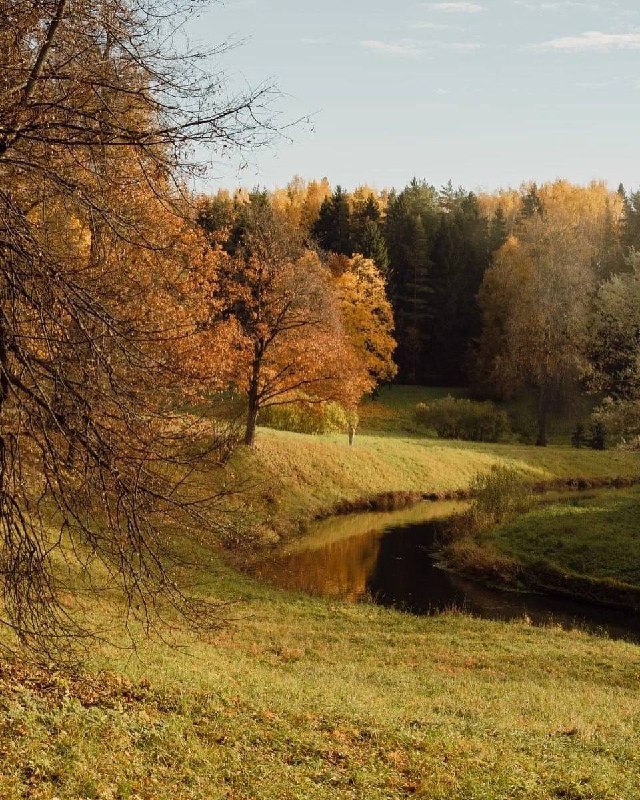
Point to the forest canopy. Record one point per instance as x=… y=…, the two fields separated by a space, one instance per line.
x=500 y=293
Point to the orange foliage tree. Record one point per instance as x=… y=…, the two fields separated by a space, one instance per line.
x=99 y=323
x=292 y=344
x=366 y=313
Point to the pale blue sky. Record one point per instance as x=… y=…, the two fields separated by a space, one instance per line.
x=488 y=93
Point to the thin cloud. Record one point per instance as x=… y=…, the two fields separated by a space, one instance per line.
x=431 y=26
x=559 y=5
x=464 y=45
x=593 y=40
x=458 y=8
x=405 y=47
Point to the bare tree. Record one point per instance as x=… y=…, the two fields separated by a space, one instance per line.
x=99 y=115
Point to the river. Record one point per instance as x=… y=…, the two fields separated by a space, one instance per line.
x=390 y=559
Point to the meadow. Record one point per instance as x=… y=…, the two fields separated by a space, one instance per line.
x=301 y=697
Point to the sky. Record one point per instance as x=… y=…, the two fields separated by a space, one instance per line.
x=486 y=93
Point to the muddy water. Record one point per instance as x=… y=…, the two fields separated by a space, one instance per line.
x=390 y=559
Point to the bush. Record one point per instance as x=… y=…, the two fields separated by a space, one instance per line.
x=473 y=421
x=598 y=440
x=500 y=494
x=579 y=436
x=307 y=418
x=620 y=421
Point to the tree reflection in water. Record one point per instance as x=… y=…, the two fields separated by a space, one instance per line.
x=389 y=558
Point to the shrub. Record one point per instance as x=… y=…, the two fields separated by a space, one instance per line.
x=579 y=436
x=620 y=421
x=453 y=418
x=306 y=417
x=500 y=494
x=598 y=440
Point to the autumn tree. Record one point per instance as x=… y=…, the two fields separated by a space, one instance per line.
x=366 y=314
x=536 y=297
x=614 y=341
x=98 y=117
x=300 y=202
x=292 y=344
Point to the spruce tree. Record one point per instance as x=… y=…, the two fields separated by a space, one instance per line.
x=333 y=228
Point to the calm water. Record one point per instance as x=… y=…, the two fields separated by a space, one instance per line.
x=389 y=559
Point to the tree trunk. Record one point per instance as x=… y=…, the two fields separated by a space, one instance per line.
x=252 y=419
x=254 y=404
x=4 y=394
x=543 y=417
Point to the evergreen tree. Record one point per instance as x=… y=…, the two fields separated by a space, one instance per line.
x=531 y=203
x=368 y=240
x=414 y=303
x=611 y=259
x=333 y=228
x=498 y=230
x=410 y=226
x=460 y=257
x=367 y=237
x=631 y=222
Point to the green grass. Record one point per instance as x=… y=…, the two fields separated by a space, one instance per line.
x=306 y=698
x=392 y=412
x=295 y=477
x=596 y=537
x=309 y=698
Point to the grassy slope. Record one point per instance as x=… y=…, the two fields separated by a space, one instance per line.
x=296 y=476
x=596 y=537
x=305 y=698
x=311 y=698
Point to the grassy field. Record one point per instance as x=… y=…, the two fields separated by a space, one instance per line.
x=306 y=698
x=392 y=412
x=596 y=536
x=303 y=698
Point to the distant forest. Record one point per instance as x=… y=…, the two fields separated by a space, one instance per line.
x=480 y=284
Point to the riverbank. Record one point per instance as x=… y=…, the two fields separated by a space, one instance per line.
x=584 y=546
x=295 y=478
x=299 y=698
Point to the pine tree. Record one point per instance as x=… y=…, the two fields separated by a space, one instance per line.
x=498 y=230
x=460 y=257
x=369 y=242
x=409 y=229
x=532 y=203
x=333 y=228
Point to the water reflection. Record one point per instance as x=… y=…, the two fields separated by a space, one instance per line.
x=339 y=556
x=389 y=558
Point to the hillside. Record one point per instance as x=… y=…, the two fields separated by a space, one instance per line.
x=294 y=477
x=297 y=697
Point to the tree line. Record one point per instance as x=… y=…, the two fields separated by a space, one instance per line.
x=530 y=289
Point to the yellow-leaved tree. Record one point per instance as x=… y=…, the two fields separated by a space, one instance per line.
x=367 y=314
x=536 y=296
